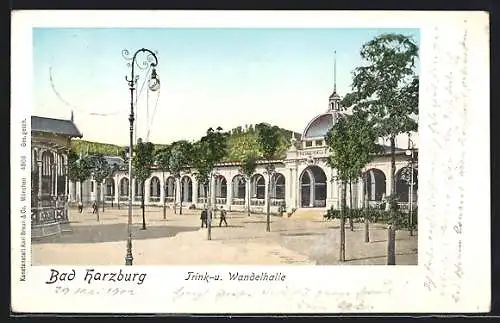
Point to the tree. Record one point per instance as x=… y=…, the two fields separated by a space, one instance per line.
x=208 y=151
x=352 y=143
x=248 y=165
x=387 y=88
x=142 y=161
x=180 y=158
x=269 y=141
x=79 y=169
x=163 y=162
x=100 y=171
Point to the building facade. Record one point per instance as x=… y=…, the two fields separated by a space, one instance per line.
x=302 y=180
x=50 y=143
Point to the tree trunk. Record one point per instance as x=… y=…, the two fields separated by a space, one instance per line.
x=247 y=193
x=367 y=212
x=351 y=225
x=81 y=191
x=209 y=212
x=164 y=204
x=175 y=196
x=182 y=197
x=103 y=198
x=268 y=200
x=97 y=201
x=393 y=174
x=391 y=244
x=391 y=234
x=342 y=223
x=142 y=206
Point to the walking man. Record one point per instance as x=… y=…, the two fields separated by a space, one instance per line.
x=222 y=216
x=203 y=217
x=80 y=206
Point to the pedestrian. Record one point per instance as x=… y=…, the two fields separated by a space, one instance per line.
x=222 y=216
x=94 y=207
x=203 y=217
x=80 y=206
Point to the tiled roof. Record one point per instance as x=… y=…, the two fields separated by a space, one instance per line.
x=387 y=149
x=115 y=160
x=57 y=126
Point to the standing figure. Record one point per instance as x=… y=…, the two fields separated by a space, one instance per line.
x=94 y=207
x=222 y=216
x=80 y=206
x=203 y=217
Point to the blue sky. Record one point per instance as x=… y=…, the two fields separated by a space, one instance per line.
x=209 y=77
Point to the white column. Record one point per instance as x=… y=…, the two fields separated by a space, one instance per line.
x=247 y=193
x=117 y=187
x=55 y=171
x=312 y=195
x=162 y=189
x=178 y=190
x=66 y=181
x=212 y=191
x=361 y=190
x=295 y=188
x=266 y=193
x=147 y=186
x=229 y=197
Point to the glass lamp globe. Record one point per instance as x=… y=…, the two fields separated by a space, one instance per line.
x=154 y=81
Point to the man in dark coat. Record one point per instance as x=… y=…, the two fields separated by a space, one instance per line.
x=203 y=217
x=222 y=216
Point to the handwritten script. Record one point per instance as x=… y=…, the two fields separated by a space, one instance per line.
x=448 y=130
x=303 y=298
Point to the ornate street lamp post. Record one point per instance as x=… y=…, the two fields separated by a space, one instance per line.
x=150 y=60
x=411 y=153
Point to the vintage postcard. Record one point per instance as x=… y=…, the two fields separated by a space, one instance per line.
x=250 y=162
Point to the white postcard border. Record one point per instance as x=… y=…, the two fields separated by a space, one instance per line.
x=435 y=285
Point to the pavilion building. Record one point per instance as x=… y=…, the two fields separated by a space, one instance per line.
x=50 y=144
x=302 y=182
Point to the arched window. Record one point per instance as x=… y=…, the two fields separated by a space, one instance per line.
x=170 y=192
x=239 y=187
x=403 y=181
x=313 y=187
x=375 y=184
x=154 y=187
x=258 y=190
x=278 y=186
x=124 y=186
x=186 y=189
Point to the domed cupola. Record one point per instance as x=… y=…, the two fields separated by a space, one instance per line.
x=318 y=127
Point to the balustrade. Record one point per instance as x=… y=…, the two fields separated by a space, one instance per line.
x=277 y=202
x=238 y=201
x=258 y=202
x=154 y=199
x=220 y=200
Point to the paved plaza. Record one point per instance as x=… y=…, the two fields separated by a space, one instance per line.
x=179 y=240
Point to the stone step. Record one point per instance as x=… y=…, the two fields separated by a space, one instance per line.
x=316 y=213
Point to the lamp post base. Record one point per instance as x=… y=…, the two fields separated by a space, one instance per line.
x=129 y=258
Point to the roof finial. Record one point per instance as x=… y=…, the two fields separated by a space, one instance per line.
x=72 y=118
x=335 y=71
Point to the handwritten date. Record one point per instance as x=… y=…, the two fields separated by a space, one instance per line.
x=94 y=291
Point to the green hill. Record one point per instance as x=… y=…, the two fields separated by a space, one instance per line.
x=241 y=141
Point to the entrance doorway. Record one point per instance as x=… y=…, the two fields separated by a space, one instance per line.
x=313 y=187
